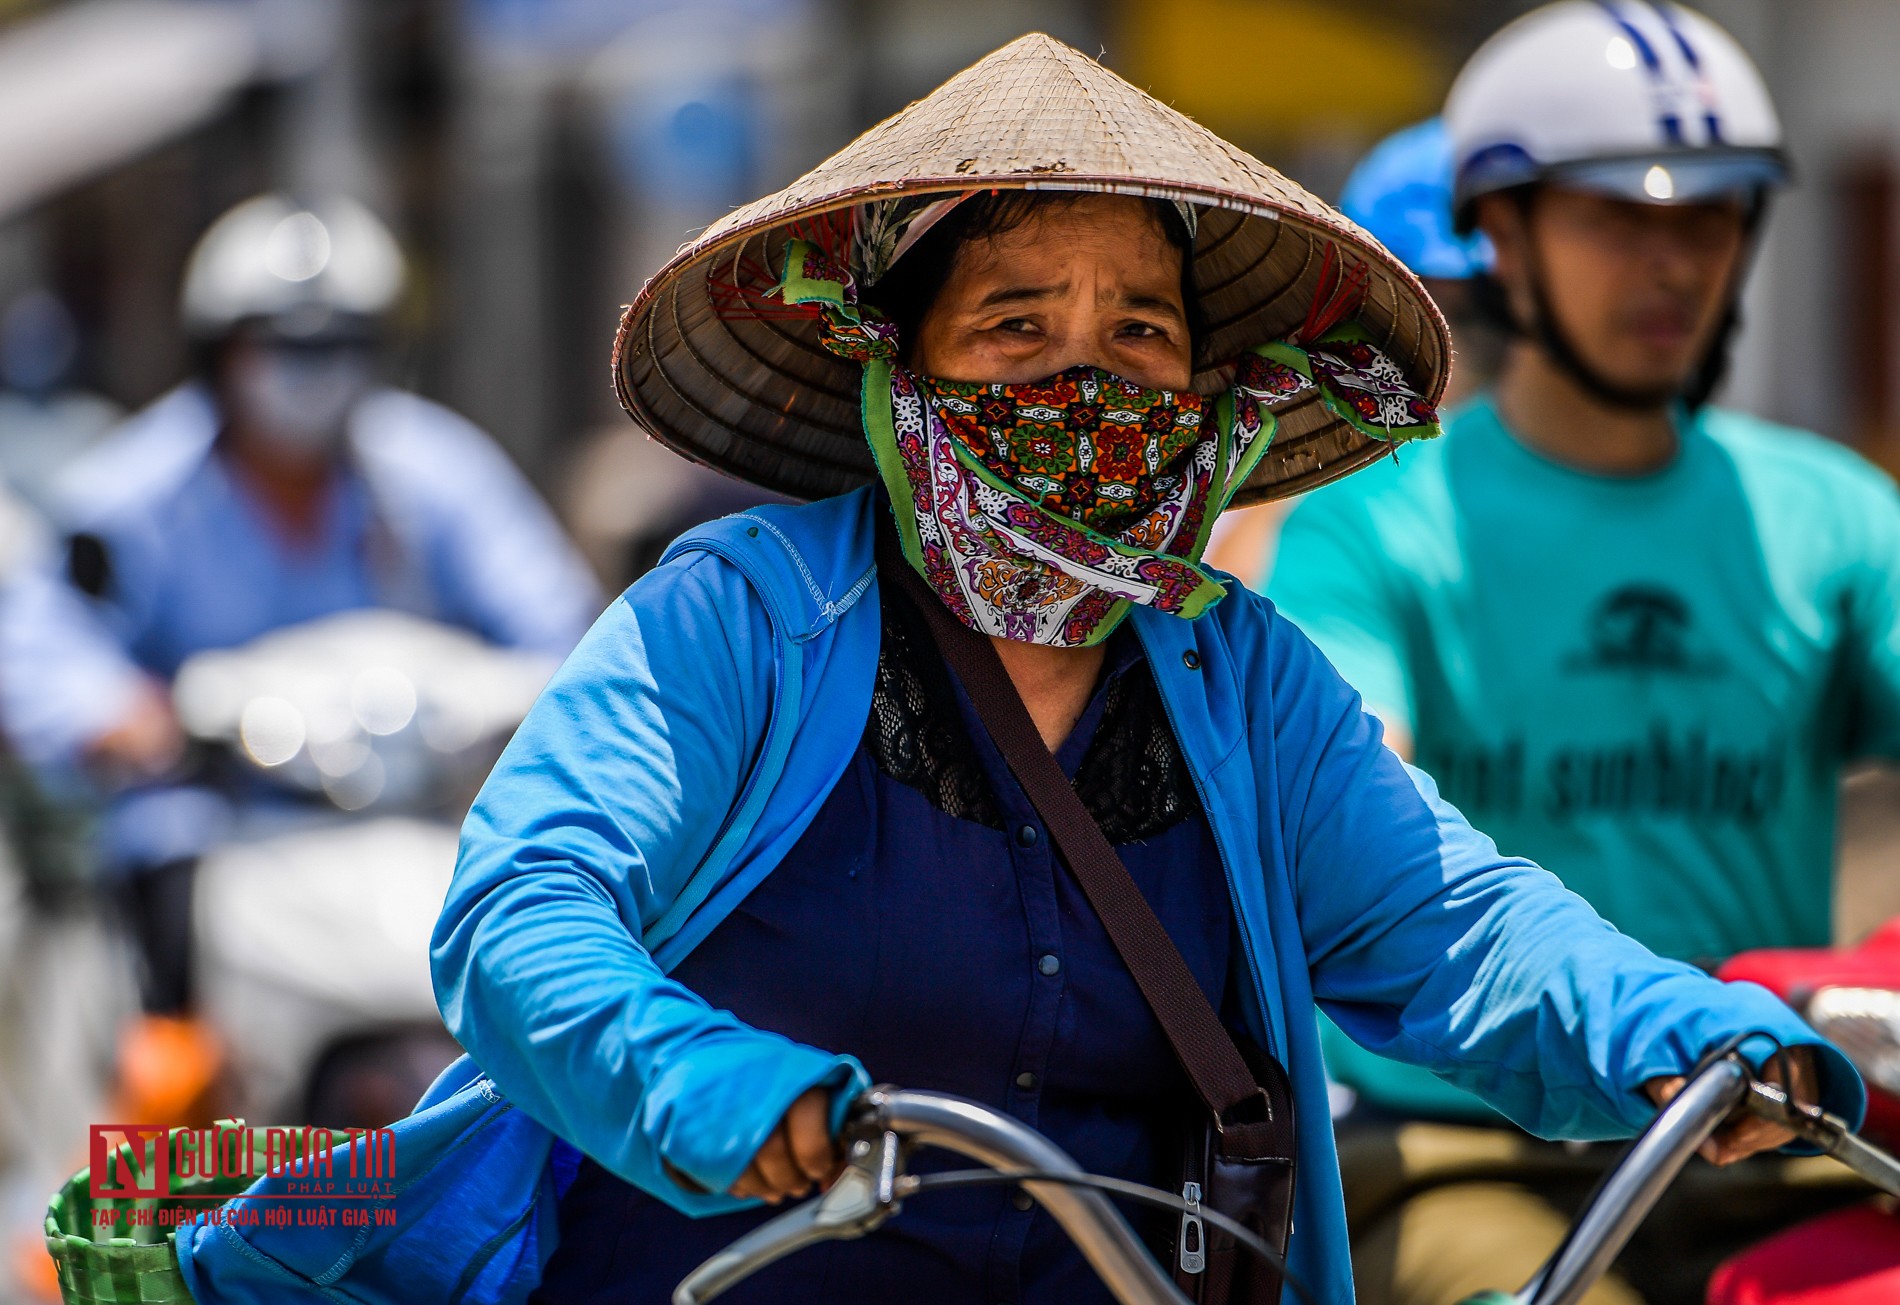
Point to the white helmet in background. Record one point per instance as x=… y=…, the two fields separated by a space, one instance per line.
x=306 y=269
x=1641 y=99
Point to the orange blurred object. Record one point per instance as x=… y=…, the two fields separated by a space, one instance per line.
x=170 y=1071
x=33 y=1269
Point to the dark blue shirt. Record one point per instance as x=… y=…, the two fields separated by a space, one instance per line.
x=953 y=952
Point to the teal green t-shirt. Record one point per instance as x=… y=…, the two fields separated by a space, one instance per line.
x=1648 y=685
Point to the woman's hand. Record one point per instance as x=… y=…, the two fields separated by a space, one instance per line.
x=798 y=1153
x=1745 y=1134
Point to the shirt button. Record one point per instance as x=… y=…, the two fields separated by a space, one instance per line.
x=1050 y=964
x=1023 y=1200
x=1026 y=835
x=1026 y=1081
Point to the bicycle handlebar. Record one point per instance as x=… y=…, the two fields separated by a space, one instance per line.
x=1631 y=1190
x=883 y=1123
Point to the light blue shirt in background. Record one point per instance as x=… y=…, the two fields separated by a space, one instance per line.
x=429 y=516
x=1647 y=684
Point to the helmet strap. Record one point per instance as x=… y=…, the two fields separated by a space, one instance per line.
x=1714 y=365
x=1548 y=335
x=1544 y=331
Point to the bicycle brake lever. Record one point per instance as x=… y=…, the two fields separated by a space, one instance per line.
x=1828 y=1132
x=865 y=1195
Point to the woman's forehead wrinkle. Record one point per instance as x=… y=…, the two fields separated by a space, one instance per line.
x=1122 y=296
x=1110 y=292
x=1021 y=294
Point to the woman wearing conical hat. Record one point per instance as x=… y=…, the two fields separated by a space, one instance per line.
x=755 y=847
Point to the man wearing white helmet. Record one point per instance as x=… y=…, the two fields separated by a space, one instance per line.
x=281 y=484
x=1634 y=637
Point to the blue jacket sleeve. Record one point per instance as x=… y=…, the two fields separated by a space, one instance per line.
x=594 y=819
x=1429 y=946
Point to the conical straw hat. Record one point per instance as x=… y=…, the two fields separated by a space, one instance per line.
x=703 y=363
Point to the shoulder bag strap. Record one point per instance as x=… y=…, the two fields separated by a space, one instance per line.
x=1205 y=1049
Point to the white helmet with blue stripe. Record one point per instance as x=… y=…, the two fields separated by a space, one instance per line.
x=1642 y=99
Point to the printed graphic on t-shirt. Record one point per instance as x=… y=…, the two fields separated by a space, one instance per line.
x=1662 y=767
x=1665 y=770
x=1644 y=627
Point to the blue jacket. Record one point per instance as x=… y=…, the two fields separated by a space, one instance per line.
x=697 y=729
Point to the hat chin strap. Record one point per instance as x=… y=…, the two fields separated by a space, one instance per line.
x=1544 y=331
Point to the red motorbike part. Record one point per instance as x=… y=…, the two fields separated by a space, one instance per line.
x=1797 y=974
x=1850 y=1257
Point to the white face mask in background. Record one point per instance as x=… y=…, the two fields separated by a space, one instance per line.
x=300 y=397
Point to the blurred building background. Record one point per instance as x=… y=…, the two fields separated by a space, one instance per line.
x=539 y=158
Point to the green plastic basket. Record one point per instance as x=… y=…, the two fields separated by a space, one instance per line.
x=131 y=1258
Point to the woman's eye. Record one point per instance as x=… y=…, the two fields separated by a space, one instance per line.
x=1016 y=325
x=1142 y=330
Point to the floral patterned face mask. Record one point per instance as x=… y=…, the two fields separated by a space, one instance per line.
x=1040 y=512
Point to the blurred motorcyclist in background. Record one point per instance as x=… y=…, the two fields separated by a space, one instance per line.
x=1633 y=636
x=281 y=483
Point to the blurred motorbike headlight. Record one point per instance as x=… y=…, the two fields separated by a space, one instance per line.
x=272 y=730
x=384 y=699
x=1865 y=1024
x=369 y=708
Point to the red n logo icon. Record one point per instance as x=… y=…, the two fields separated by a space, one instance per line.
x=141 y=1167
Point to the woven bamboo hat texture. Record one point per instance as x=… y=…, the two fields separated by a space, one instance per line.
x=704 y=364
